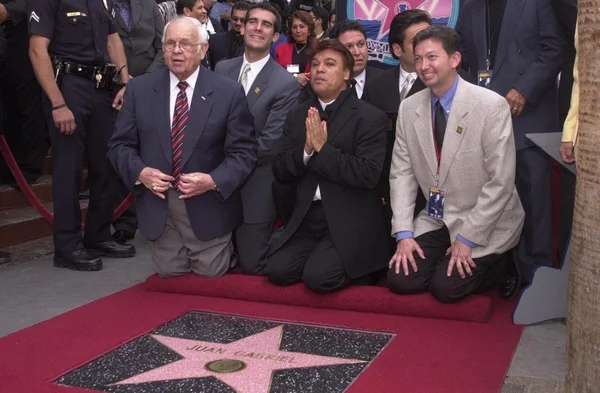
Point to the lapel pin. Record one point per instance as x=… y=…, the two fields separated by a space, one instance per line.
x=257 y=90
x=459 y=130
x=203 y=98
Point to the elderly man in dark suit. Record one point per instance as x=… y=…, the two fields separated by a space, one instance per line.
x=271 y=92
x=140 y=27
x=332 y=149
x=184 y=143
x=520 y=50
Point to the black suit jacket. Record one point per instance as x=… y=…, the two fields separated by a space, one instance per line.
x=17 y=64
x=223 y=46
x=347 y=170
x=309 y=94
x=219 y=140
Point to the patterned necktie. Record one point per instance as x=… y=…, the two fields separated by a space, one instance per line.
x=406 y=86
x=244 y=77
x=440 y=124
x=125 y=14
x=180 y=118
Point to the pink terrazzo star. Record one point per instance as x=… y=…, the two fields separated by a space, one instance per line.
x=260 y=352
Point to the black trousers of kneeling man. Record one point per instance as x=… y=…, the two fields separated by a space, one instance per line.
x=311 y=257
x=432 y=271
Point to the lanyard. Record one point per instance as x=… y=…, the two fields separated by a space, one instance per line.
x=438 y=154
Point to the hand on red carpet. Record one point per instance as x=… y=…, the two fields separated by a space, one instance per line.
x=194 y=184
x=405 y=254
x=461 y=258
x=155 y=181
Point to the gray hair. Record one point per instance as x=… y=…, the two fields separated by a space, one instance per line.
x=202 y=32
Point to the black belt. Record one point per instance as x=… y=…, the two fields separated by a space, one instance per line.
x=81 y=70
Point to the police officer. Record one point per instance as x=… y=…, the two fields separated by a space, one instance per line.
x=69 y=41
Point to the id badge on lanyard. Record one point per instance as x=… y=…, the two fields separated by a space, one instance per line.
x=436 y=198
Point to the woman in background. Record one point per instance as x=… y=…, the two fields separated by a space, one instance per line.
x=294 y=55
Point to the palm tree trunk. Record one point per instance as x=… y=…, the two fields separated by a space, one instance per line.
x=583 y=319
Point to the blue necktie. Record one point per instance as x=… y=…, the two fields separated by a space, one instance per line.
x=125 y=14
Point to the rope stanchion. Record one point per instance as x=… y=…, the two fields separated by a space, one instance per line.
x=30 y=195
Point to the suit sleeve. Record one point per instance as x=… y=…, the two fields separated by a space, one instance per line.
x=363 y=167
x=159 y=26
x=500 y=163
x=288 y=164
x=273 y=128
x=572 y=121
x=542 y=73
x=17 y=11
x=240 y=147
x=124 y=145
x=403 y=183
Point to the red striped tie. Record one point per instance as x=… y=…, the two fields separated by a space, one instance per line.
x=180 y=118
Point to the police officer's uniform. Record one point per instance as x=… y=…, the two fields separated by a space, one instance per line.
x=78 y=32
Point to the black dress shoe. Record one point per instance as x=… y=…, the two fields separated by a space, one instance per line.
x=4 y=257
x=511 y=283
x=122 y=237
x=111 y=249
x=78 y=260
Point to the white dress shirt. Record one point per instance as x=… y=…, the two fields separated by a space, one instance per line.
x=307 y=157
x=189 y=92
x=255 y=69
x=403 y=76
x=360 y=83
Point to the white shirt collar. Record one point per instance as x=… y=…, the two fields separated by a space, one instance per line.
x=257 y=66
x=360 y=78
x=404 y=74
x=324 y=104
x=191 y=80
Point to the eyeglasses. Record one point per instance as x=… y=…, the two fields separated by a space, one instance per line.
x=237 y=19
x=170 y=46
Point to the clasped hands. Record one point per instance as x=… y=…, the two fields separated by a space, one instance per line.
x=460 y=257
x=190 y=184
x=316 y=132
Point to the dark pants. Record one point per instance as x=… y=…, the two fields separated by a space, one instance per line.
x=432 y=271
x=533 y=181
x=252 y=243
x=95 y=120
x=127 y=222
x=24 y=126
x=309 y=256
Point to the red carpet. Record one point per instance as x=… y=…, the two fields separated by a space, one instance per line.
x=358 y=298
x=426 y=355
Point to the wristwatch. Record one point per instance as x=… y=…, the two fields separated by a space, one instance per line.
x=215 y=188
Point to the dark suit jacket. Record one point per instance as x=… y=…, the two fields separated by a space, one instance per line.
x=347 y=170
x=219 y=140
x=308 y=93
x=530 y=54
x=143 y=46
x=272 y=95
x=17 y=64
x=222 y=47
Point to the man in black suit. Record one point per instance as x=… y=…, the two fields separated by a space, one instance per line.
x=230 y=44
x=353 y=36
x=332 y=149
x=25 y=125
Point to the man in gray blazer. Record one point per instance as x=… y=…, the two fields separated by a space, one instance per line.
x=271 y=92
x=466 y=169
x=140 y=26
x=520 y=46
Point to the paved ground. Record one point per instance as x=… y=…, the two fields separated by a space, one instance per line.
x=32 y=290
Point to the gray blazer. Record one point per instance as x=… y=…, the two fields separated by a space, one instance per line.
x=272 y=95
x=477 y=170
x=530 y=53
x=143 y=47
